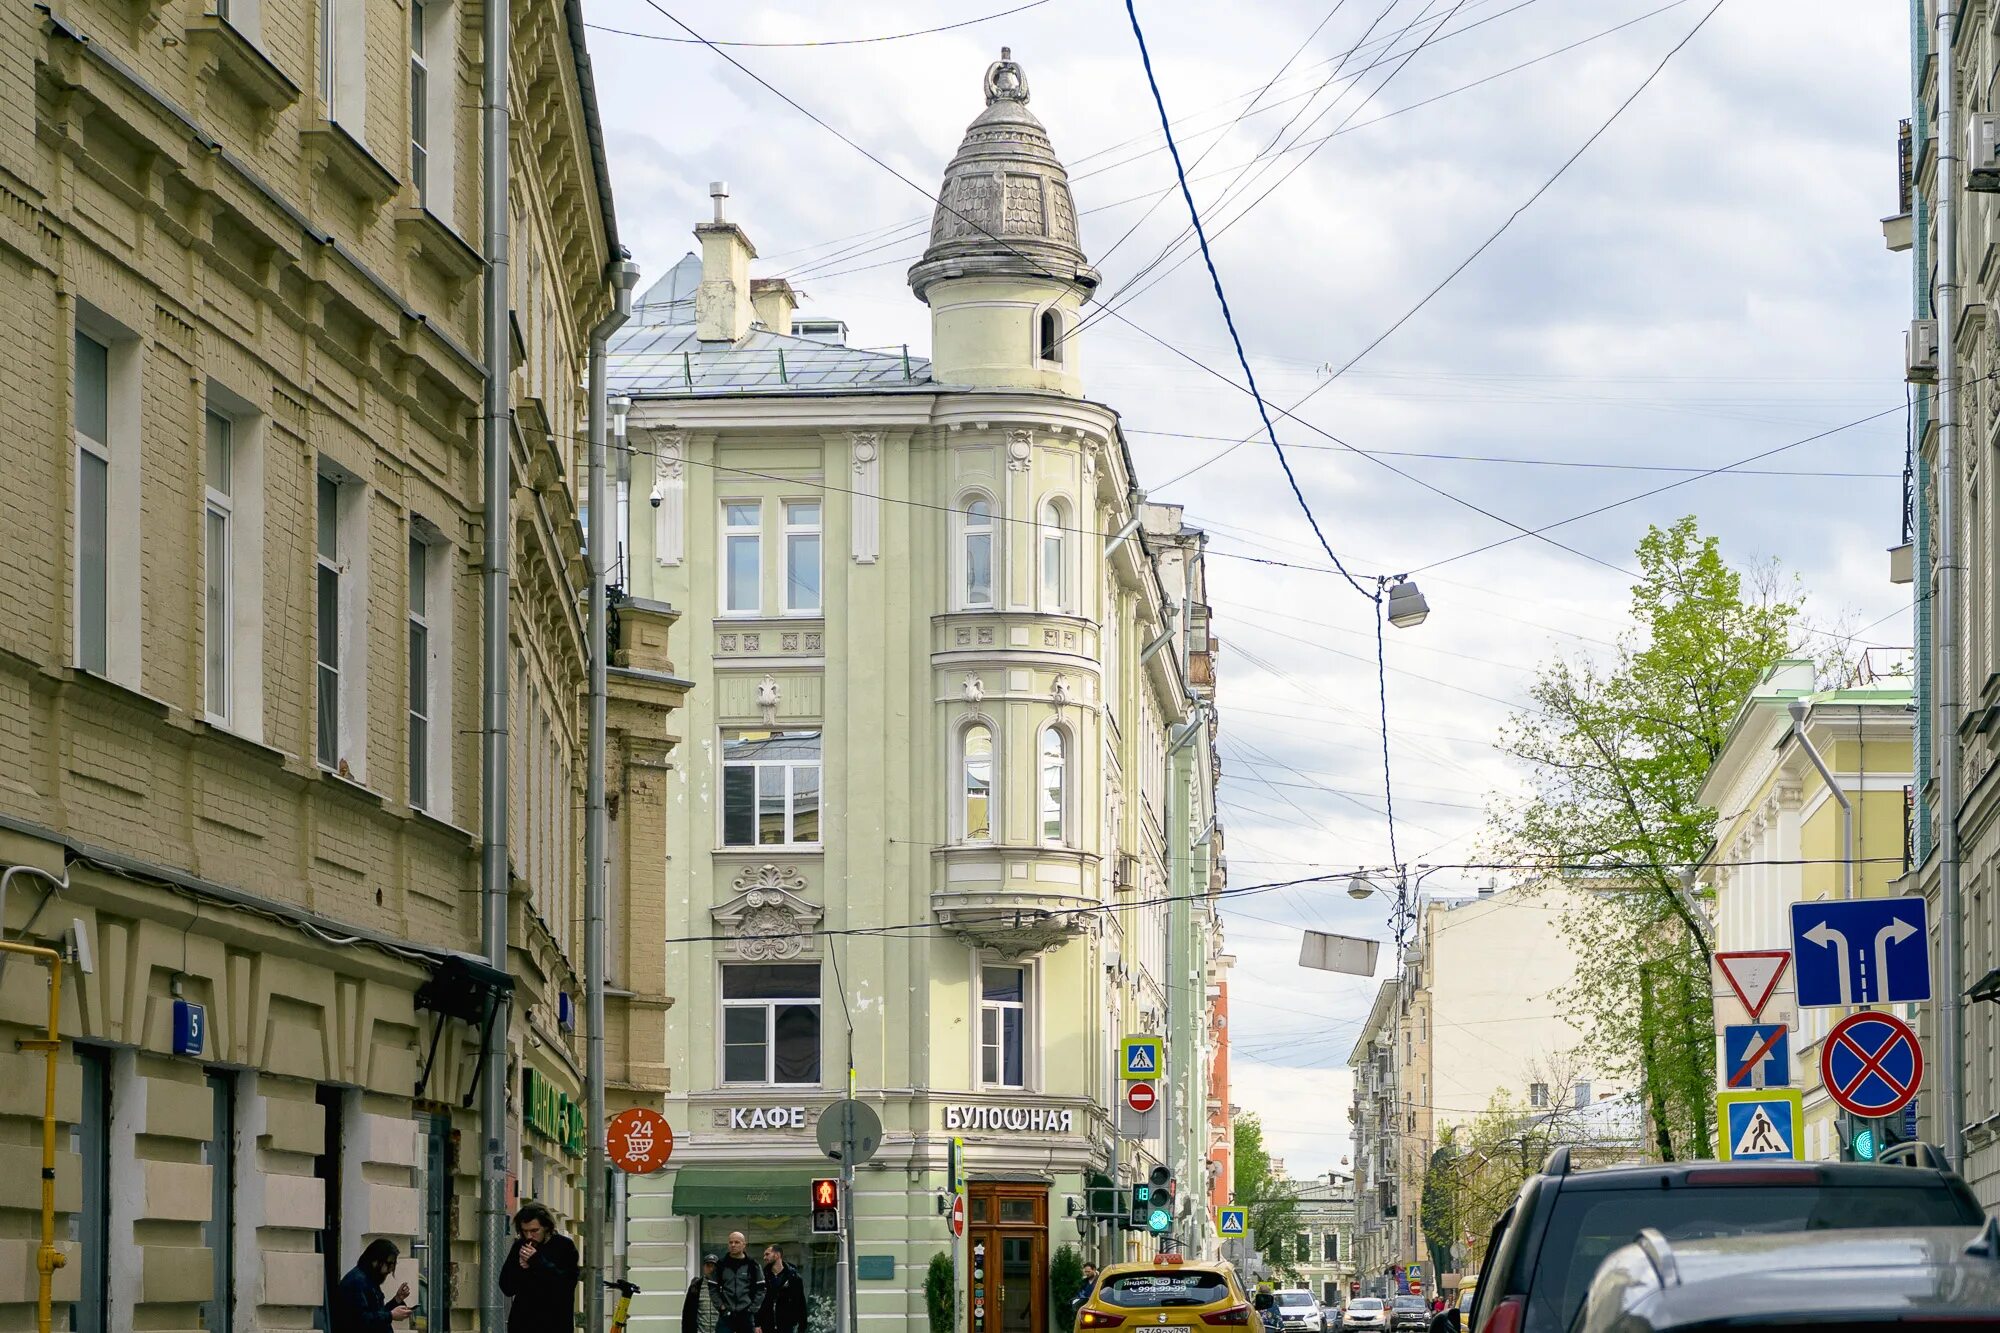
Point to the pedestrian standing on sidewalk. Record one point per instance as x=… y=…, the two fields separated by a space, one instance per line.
x=739 y=1284
x=541 y=1274
x=1082 y=1293
x=784 y=1307
x=358 y=1303
x=702 y=1310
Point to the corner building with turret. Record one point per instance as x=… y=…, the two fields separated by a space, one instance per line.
x=943 y=810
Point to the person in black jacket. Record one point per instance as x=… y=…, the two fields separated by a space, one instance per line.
x=358 y=1303
x=702 y=1310
x=784 y=1307
x=739 y=1282
x=541 y=1274
x=1076 y=1301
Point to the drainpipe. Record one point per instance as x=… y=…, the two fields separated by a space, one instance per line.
x=1798 y=712
x=495 y=572
x=1944 y=616
x=48 y=1255
x=624 y=274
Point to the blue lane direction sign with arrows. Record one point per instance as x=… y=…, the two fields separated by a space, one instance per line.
x=1229 y=1221
x=1861 y=951
x=1757 y=1055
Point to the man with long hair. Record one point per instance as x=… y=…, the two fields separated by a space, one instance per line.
x=541 y=1274
x=358 y=1303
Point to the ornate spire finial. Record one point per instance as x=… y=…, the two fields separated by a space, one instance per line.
x=1004 y=80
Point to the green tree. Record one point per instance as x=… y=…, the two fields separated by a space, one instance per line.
x=940 y=1293
x=1065 y=1276
x=1271 y=1210
x=1616 y=753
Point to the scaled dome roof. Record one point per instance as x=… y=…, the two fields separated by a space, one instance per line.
x=1005 y=207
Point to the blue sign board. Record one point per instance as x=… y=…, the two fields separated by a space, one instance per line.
x=1760 y=1124
x=1229 y=1222
x=190 y=1027
x=1861 y=951
x=1910 y=1122
x=1757 y=1055
x=1140 y=1057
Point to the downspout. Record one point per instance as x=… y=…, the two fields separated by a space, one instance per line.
x=48 y=1255
x=623 y=275
x=495 y=571
x=1798 y=711
x=1950 y=1042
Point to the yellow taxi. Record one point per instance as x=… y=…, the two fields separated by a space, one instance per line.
x=1166 y=1291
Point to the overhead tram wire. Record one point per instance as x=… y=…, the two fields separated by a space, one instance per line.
x=839 y=41
x=1499 y=231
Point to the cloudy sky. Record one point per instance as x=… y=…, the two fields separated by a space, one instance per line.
x=1707 y=282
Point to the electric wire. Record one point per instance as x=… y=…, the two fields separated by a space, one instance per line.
x=840 y=41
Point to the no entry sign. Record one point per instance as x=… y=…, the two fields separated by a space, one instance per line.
x=1871 y=1064
x=1141 y=1097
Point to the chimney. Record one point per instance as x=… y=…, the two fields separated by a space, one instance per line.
x=774 y=301
x=722 y=302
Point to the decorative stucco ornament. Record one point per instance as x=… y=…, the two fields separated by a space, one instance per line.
x=767 y=699
x=975 y=689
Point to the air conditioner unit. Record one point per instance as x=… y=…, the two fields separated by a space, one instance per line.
x=1982 y=153
x=1125 y=874
x=1922 y=351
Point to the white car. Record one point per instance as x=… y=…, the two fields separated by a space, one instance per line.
x=1365 y=1312
x=1299 y=1312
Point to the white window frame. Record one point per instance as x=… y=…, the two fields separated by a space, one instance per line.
x=796 y=534
x=770 y=1006
x=1049 y=351
x=1030 y=1018
x=93 y=606
x=732 y=532
x=420 y=100
x=347 y=562
x=343 y=64
x=964 y=787
x=435 y=621
x=1064 y=797
x=790 y=768
x=1538 y=1096
x=1053 y=538
x=123 y=610
x=962 y=556
x=218 y=568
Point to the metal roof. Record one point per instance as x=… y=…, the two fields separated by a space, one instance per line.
x=657 y=354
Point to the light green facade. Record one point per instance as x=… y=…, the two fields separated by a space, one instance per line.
x=902 y=898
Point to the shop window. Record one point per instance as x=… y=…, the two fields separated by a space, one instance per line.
x=218 y=1234
x=770 y=788
x=976 y=821
x=90 y=1224
x=770 y=1023
x=1003 y=1024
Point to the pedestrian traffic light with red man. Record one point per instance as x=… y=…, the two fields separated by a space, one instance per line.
x=826 y=1206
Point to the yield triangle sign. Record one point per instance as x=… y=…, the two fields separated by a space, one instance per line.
x=1753 y=975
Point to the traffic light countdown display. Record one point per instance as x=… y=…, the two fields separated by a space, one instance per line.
x=826 y=1207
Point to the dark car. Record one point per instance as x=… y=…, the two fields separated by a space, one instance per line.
x=1546 y=1247
x=1933 y=1278
x=1409 y=1312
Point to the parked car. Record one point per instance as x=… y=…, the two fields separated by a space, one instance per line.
x=1301 y=1310
x=1547 y=1246
x=1410 y=1312
x=1939 y=1278
x=1166 y=1291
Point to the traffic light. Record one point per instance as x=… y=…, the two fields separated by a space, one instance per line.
x=1160 y=1201
x=826 y=1207
x=1142 y=1204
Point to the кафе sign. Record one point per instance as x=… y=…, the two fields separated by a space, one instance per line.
x=993 y=1119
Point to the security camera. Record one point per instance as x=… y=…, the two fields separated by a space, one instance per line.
x=658 y=497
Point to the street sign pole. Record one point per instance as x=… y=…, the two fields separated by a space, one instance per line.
x=954 y=1169
x=848 y=1265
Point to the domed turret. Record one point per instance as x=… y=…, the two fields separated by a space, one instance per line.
x=1004 y=275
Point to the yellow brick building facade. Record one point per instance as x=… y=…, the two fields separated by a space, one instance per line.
x=240 y=678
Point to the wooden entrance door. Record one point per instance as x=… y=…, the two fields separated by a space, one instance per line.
x=1008 y=1230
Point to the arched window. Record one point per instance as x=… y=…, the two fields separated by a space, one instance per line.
x=1050 y=336
x=977 y=556
x=1055 y=783
x=1055 y=555
x=977 y=787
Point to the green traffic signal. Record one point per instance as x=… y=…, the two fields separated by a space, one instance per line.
x=1159 y=1221
x=1864 y=1145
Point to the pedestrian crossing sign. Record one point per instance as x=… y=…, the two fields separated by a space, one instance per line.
x=1760 y=1125
x=1139 y=1057
x=1229 y=1221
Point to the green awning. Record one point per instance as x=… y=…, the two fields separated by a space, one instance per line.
x=763 y=1192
